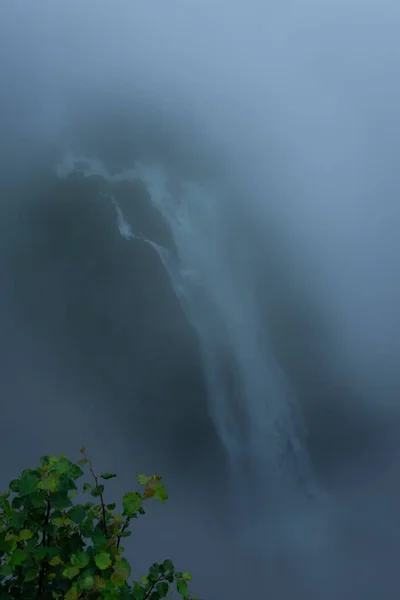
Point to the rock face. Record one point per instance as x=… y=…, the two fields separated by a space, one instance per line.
x=102 y=306
x=105 y=306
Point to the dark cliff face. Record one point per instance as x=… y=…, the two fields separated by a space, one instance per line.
x=95 y=349
x=102 y=307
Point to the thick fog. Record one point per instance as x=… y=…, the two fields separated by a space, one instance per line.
x=292 y=111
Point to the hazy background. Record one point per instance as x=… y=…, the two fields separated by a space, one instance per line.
x=295 y=108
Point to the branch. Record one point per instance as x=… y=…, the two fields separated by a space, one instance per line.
x=127 y=521
x=103 y=508
x=36 y=520
x=149 y=591
x=44 y=542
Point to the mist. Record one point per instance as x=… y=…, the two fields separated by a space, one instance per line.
x=239 y=335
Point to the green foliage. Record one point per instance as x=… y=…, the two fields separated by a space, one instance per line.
x=51 y=548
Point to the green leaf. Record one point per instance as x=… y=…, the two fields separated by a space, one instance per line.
x=154 y=570
x=17 y=519
x=31 y=575
x=18 y=557
x=52 y=552
x=44 y=460
x=107 y=475
x=29 y=483
x=40 y=553
x=124 y=565
x=80 y=560
x=4 y=501
x=6 y=570
x=111 y=506
x=118 y=519
x=77 y=514
x=87 y=486
x=162 y=588
x=70 y=572
x=17 y=502
x=138 y=592
x=52 y=460
x=160 y=492
x=25 y=534
x=100 y=582
x=144 y=580
x=67 y=484
x=50 y=483
x=143 y=479
x=121 y=573
x=97 y=491
x=131 y=503
x=14 y=485
x=109 y=594
x=187 y=576
x=73 y=545
x=72 y=594
x=102 y=560
x=100 y=541
x=74 y=472
x=61 y=466
x=82 y=461
x=60 y=500
x=87 y=528
x=56 y=560
x=87 y=582
x=168 y=565
x=37 y=499
x=182 y=588
x=11 y=545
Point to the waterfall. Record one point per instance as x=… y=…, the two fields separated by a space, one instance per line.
x=251 y=403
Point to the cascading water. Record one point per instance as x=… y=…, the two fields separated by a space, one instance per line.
x=251 y=403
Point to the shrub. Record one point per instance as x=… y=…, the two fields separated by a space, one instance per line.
x=53 y=547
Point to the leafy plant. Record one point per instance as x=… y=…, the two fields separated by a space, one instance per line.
x=53 y=548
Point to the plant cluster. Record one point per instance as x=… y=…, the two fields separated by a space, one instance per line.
x=52 y=547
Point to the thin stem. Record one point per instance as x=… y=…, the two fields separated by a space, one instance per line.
x=126 y=524
x=103 y=508
x=44 y=543
x=149 y=591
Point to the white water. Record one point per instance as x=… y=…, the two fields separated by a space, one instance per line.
x=253 y=408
